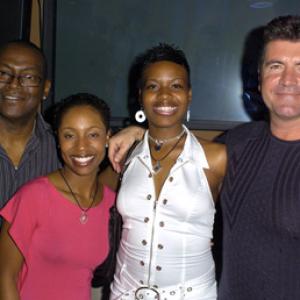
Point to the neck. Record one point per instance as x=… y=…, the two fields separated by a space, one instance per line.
x=166 y=132
x=288 y=130
x=21 y=127
x=81 y=185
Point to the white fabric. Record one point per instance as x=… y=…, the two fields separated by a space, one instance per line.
x=167 y=247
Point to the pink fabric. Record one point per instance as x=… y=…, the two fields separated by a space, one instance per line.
x=60 y=253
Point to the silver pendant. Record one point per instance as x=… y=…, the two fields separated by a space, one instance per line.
x=83 y=217
x=157 y=167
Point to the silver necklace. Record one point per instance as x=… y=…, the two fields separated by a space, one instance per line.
x=83 y=216
x=157 y=166
x=158 y=143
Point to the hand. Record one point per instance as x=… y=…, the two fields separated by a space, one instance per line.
x=120 y=143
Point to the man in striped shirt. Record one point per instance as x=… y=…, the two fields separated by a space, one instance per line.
x=27 y=146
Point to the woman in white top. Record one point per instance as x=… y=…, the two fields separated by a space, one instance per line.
x=167 y=194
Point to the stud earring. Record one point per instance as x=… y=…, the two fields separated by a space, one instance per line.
x=140 y=116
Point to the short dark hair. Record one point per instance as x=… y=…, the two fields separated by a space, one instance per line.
x=29 y=45
x=281 y=28
x=81 y=99
x=162 y=52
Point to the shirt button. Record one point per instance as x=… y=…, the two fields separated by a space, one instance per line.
x=149 y=197
x=141 y=282
x=165 y=201
x=146 y=220
x=161 y=224
x=144 y=242
x=171 y=179
x=150 y=175
x=142 y=263
x=160 y=246
x=158 y=268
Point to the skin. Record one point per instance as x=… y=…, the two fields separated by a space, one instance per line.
x=280 y=87
x=19 y=105
x=82 y=138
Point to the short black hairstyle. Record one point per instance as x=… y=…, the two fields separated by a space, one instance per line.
x=29 y=45
x=81 y=99
x=285 y=28
x=161 y=52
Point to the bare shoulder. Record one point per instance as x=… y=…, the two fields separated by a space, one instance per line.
x=216 y=156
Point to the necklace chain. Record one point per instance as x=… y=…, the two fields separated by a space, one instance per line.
x=157 y=166
x=83 y=217
x=160 y=142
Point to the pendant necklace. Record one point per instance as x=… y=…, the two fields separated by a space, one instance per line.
x=157 y=165
x=83 y=216
x=158 y=143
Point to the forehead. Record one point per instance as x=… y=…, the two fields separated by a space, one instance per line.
x=80 y=113
x=20 y=56
x=281 y=49
x=164 y=68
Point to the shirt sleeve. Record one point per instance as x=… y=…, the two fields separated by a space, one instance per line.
x=22 y=213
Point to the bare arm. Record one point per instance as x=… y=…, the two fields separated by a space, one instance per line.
x=217 y=159
x=11 y=261
x=120 y=143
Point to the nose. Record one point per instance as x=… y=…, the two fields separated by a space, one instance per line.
x=15 y=82
x=164 y=92
x=81 y=143
x=289 y=77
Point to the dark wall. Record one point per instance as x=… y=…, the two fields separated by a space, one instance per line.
x=14 y=20
x=96 y=42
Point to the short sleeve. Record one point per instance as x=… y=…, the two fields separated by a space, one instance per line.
x=22 y=213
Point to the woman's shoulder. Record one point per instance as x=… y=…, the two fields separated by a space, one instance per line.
x=216 y=155
x=38 y=184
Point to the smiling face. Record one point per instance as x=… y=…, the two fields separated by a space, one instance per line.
x=165 y=95
x=16 y=101
x=82 y=137
x=280 y=80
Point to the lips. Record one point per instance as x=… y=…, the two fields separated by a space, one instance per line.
x=11 y=97
x=82 y=160
x=165 y=110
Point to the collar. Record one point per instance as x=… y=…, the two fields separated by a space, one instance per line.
x=192 y=151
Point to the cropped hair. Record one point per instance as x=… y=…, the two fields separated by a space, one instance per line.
x=162 y=52
x=285 y=28
x=81 y=99
x=29 y=45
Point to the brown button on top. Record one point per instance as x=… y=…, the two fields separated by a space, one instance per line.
x=150 y=175
x=161 y=224
x=165 y=201
x=146 y=220
x=142 y=263
x=149 y=197
x=144 y=242
x=171 y=179
x=158 y=268
x=160 y=246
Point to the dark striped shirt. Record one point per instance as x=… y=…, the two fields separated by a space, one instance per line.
x=261 y=216
x=39 y=158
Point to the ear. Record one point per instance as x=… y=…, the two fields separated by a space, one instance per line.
x=47 y=86
x=190 y=95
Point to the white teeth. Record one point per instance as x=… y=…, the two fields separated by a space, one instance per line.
x=166 y=109
x=83 y=160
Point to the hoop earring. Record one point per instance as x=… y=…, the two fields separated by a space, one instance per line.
x=140 y=116
x=188 y=115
